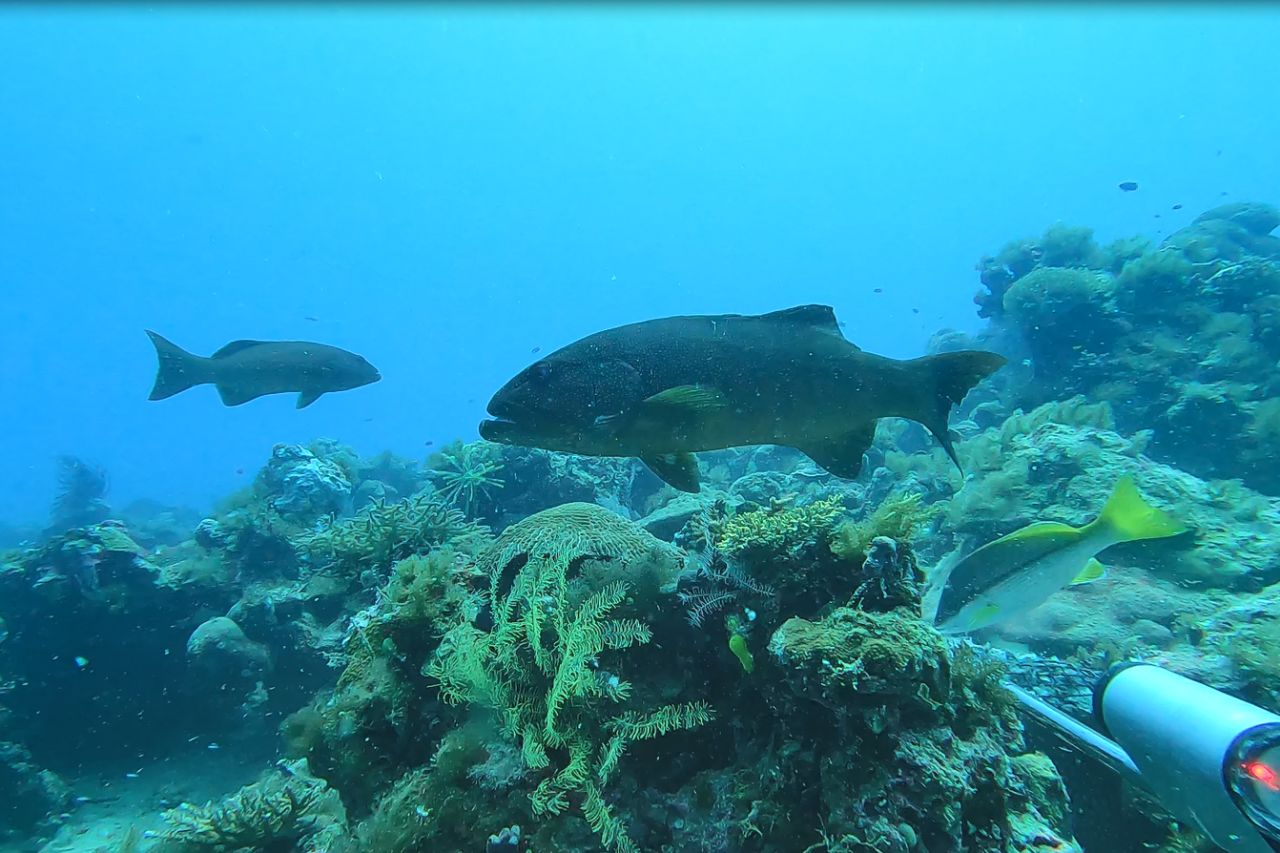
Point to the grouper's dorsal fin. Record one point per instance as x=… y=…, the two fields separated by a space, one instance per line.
x=235 y=347
x=819 y=317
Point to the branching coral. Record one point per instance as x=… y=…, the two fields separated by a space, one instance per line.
x=382 y=533
x=898 y=517
x=779 y=529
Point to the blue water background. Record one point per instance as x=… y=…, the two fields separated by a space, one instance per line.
x=445 y=188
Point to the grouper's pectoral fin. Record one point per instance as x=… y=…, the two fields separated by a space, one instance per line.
x=306 y=398
x=679 y=408
x=842 y=455
x=233 y=396
x=678 y=470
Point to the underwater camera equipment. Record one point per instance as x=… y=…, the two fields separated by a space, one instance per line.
x=1211 y=759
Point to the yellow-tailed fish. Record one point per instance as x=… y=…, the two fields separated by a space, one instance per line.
x=1018 y=572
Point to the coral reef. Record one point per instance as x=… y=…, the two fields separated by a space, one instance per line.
x=933 y=730
x=562 y=630
x=1060 y=461
x=519 y=649
x=30 y=796
x=1181 y=338
x=367 y=544
x=304 y=486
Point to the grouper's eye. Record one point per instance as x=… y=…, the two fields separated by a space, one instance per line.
x=541 y=371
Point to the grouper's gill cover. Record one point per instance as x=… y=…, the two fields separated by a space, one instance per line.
x=663 y=389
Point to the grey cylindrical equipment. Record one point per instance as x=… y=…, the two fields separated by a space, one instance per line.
x=1184 y=737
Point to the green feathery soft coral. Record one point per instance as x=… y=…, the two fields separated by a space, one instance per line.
x=545 y=666
x=898 y=517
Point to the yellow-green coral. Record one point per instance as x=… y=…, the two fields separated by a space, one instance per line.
x=898 y=517
x=857 y=653
x=779 y=530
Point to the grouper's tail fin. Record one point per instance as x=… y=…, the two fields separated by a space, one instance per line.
x=178 y=369
x=950 y=376
x=1128 y=518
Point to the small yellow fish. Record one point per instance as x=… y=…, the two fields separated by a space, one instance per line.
x=1018 y=572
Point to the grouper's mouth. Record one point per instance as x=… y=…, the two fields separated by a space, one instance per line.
x=501 y=430
x=504 y=422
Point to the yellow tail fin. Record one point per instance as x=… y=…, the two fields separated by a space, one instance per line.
x=1127 y=517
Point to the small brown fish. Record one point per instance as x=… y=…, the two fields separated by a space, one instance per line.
x=245 y=370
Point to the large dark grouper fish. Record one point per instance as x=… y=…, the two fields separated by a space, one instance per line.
x=245 y=370
x=664 y=389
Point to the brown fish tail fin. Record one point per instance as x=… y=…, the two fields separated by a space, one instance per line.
x=178 y=369
x=950 y=376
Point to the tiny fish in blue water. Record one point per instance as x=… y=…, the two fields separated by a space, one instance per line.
x=1128 y=186
x=536 y=350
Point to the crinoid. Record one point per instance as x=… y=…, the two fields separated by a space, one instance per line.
x=719 y=583
x=464 y=472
